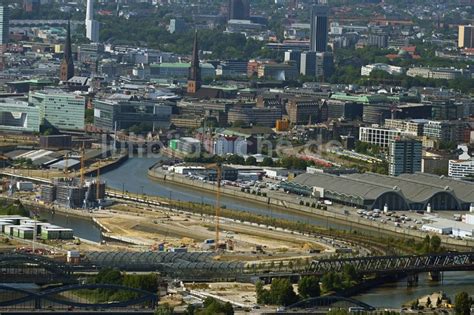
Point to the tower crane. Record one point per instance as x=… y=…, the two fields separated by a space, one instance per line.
x=66 y=157
x=97 y=183
x=218 y=168
x=82 y=165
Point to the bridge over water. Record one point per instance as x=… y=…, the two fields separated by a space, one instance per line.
x=453 y=261
x=202 y=266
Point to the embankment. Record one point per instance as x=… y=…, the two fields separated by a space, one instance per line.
x=353 y=221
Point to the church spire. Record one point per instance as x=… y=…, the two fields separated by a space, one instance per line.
x=67 y=45
x=194 y=78
x=67 y=64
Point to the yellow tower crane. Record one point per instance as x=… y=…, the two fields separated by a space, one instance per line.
x=218 y=168
x=65 y=170
x=82 y=165
x=97 y=183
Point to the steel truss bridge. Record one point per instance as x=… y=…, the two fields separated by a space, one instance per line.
x=398 y=264
x=330 y=302
x=200 y=266
x=12 y=297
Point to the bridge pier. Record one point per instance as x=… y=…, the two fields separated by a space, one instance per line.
x=37 y=303
x=412 y=280
x=435 y=276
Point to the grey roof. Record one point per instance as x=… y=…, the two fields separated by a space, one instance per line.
x=415 y=188
x=462 y=189
x=13 y=154
x=339 y=184
x=415 y=191
x=61 y=164
x=79 y=80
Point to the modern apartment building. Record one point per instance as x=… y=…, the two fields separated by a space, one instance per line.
x=378 y=136
x=461 y=168
x=466 y=36
x=413 y=127
x=405 y=156
x=18 y=116
x=60 y=110
x=455 y=131
x=109 y=114
x=4 y=26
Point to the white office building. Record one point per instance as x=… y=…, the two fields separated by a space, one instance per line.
x=92 y=26
x=18 y=116
x=393 y=70
x=461 y=168
x=378 y=136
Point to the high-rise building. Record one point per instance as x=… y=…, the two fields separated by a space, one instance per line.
x=308 y=63
x=194 y=78
x=324 y=65
x=379 y=40
x=4 y=26
x=67 y=64
x=405 y=156
x=92 y=26
x=124 y=114
x=63 y=111
x=293 y=56
x=18 y=116
x=177 y=25
x=466 y=36
x=239 y=9
x=319 y=28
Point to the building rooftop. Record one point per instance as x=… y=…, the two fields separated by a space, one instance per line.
x=349 y=186
x=180 y=65
x=417 y=190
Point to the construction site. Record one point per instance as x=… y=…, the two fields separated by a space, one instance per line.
x=73 y=193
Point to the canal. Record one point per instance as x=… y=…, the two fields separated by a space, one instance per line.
x=83 y=227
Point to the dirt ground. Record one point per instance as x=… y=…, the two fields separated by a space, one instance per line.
x=151 y=227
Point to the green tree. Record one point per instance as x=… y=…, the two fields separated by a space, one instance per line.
x=164 y=309
x=435 y=244
x=349 y=275
x=236 y=159
x=267 y=161
x=428 y=302
x=109 y=276
x=251 y=160
x=89 y=118
x=308 y=287
x=462 y=304
x=281 y=292
x=331 y=281
x=212 y=306
x=263 y=296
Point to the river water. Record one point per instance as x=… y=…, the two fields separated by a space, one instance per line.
x=396 y=294
x=132 y=176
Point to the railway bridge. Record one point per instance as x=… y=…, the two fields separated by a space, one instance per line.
x=408 y=264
